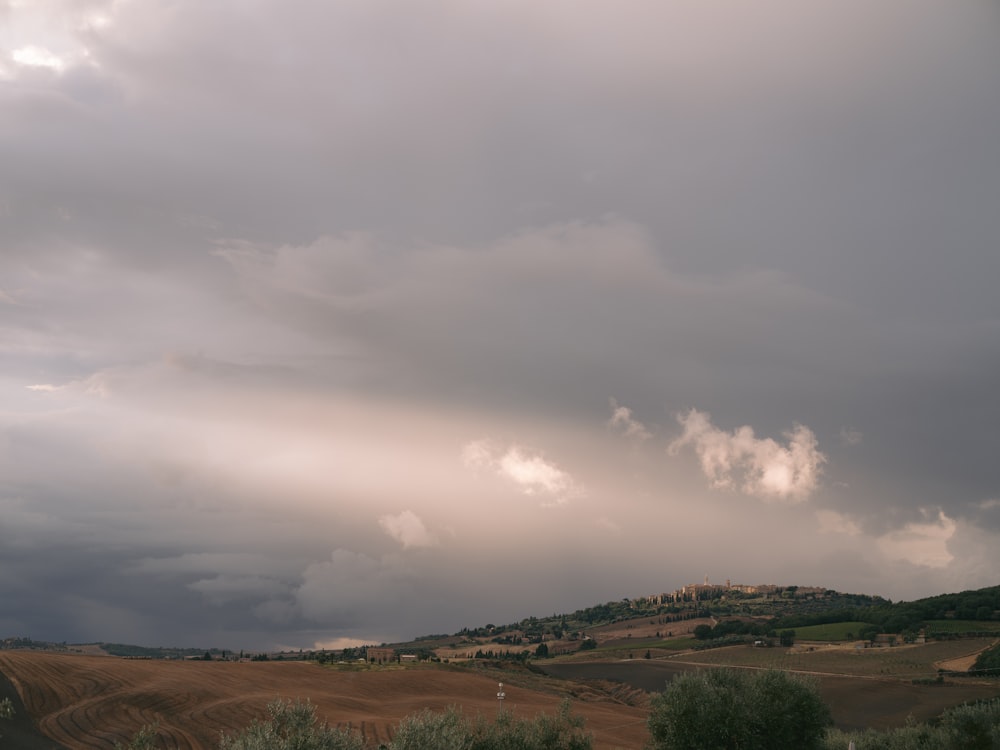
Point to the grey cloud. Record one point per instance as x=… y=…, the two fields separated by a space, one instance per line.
x=223 y=589
x=264 y=270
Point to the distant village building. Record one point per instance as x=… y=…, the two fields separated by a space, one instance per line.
x=380 y=655
x=693 y=592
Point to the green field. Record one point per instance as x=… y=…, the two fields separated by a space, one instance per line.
x=834 y=631
x=640 y=646
x=963 y=626
x=901 y=662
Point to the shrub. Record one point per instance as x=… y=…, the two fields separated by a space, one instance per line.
x=969 y=727
x=451 y=731
x=988 y=662
x=291 y=726
x=730 y=709
x=144 y=739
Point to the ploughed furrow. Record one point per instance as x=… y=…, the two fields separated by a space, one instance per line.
x=36 y=681
x=89 y=702
x=100 y=723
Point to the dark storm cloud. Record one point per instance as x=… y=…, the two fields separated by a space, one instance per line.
x=266 y=272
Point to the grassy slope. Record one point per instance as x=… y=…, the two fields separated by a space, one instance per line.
x=834 y=631
x=963 y=626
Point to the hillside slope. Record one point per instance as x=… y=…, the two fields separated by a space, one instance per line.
x=90 y=702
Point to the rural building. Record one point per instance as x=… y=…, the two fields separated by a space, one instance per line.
x=380 y=655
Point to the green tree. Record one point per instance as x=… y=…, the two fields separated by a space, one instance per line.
x=787 y=638
x=988 y=662
x=432 y=731
x=542 y=652
x=291 y=726
x=730 y=709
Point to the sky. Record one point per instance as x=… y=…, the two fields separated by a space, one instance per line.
x=326 y=323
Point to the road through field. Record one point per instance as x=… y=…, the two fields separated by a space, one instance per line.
x=91 y=702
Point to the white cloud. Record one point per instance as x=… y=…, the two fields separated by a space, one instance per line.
x=923 y=544
x=407 y=529
x=531 y=472
x=768 y=470
x=37 y=57
x=43 y=387
x=623 y=422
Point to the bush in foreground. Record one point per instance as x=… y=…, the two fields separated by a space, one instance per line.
x=969 y=727
x=291 y=726
x=294 y=726
x=452 y=731
x=732 y=709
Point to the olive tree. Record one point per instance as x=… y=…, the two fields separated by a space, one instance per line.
x=450 y=730
x=291 y=726
x=732 y=709
x=144 y=739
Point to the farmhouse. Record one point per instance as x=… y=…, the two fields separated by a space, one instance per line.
x=380 y=655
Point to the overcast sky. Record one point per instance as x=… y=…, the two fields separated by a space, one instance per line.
x=361 y=320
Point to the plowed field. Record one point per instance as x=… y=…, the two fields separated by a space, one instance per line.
x=92 y=702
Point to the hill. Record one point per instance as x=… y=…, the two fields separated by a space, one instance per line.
x=610 y=656
x=92 y=702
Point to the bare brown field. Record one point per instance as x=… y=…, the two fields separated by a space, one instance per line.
x=91 y=702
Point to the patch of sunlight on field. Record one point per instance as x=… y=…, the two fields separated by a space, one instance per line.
x=903 y=662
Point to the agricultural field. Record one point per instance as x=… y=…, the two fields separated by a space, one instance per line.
x=834 y=631
x=908 y=662
x=856 y=702
x=963 y=626
x=92 y=702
